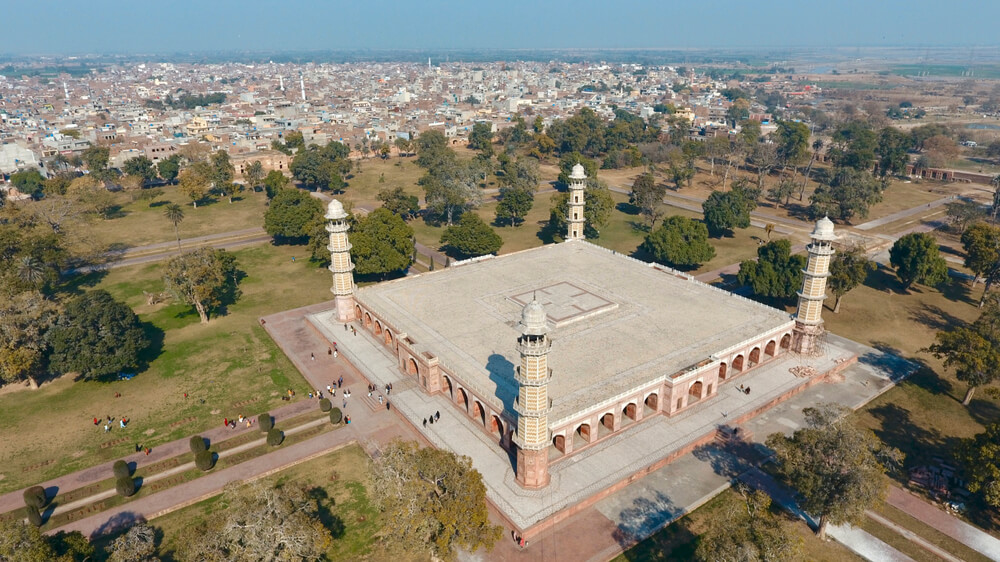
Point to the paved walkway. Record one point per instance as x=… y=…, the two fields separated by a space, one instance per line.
x=164 y=250
x=905 y=213
x=970 y=536
x=101 y=472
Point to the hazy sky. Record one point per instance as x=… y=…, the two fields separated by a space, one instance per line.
x=144 y=26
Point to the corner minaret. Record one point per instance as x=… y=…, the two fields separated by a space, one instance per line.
x=808 y=316
x=340 y=261
x=575 y=220
x=532 y=406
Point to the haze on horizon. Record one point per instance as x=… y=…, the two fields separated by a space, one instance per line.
x=115 y=26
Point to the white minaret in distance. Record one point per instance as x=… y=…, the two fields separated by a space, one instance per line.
x=809 y=315
x=340 y=261
x=577 y=183
x=532 y=406
x=281 y=83
x=302 y=85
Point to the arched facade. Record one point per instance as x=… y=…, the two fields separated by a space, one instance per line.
x=378 y=328
x=411 y=367
x=722 y=371
x=769 y=349
x=755 y=356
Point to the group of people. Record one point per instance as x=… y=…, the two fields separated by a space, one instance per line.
x=743 y=389
x=432 y=418
x=109 y=422
x=231 y=424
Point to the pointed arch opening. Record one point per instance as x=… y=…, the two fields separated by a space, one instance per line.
x=770 y=348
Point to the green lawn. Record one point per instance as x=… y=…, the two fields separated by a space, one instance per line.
x=220 y=365
x=140 y=224
x=342 y=477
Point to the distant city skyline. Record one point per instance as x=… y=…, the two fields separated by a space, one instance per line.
x=114 y=26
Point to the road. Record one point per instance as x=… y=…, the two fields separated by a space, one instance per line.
x=164 y=250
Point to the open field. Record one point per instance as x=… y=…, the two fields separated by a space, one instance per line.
x=140 y=224
x=340 y=478
x=227 y=367
x=679 y=540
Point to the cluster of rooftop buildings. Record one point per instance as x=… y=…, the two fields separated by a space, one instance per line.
x=134 y=109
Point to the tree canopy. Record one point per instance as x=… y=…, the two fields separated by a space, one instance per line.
x=29 y=182
x=275 y=182
x=917 y=260
x=973 y=350
x=25 y=318
x=648 y=196
x=381 y=243
x=726 y=211
x=96 y=336
x=848 y=269
x=679 y=242
x=980 y=457
x=207 y=279
x=982 y=254
x=837 y=468
x=140 y=166
x=321 y=167
x=291 y=214
x=471 y=237
x=848 y=193
x=435 y=500
x=747 y=531
x=262 y=522
x=777 y=272
x=399 y=202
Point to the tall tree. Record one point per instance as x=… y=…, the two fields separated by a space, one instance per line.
x=140 y=166
x=254 y=174
x=194 y=183
x=514 y=204
x=138 y=544
x=169 y=168
x=96 y=158
x=980 y=457
x=206 y=278
x=853 y=146
x=96 y=336
x=435 y=499
x=290 y=215
x=726 y=211
x=381 y=243
x=679 y=242
x=400 y=202
x=747 y=531
x=973 y=356
x=848 y=269
x=275 y=182
x=481 y=138
x=982 y=255
x=917 y=260
x=792 y=140
x=837 y=469
x=175 y=215
x=262 y=523
x=648 y=196
x=891 y=151
x=25 y=318
x=471 y=237
x=776 y=273
x=453 y=188
x=963 y=213
x=29 y=182
x=849 y=193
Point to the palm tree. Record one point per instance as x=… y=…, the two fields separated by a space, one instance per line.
x=254 y=174
x=31 y=270
x=175 y=214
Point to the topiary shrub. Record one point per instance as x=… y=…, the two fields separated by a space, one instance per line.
x=125 y=486
x=204 y=460
x=336 y=416
x=264 y=422
x=198 y=444
x=275 y=437
x=325 y=405
x=121 y=469
x=34 y=517
x=35 y=497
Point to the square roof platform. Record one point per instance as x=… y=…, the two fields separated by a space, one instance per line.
x=615 y=322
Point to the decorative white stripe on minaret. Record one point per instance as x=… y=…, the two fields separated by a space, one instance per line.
x=575 y=219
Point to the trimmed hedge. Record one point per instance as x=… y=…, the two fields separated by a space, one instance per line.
x=197 y=444
x=34 y=517
x=336 y=416
x=121 y=469
x=275 y=437
x=204 y=460
x=125 y=486
x=265 y=422
x=35 y=497
x=325 y=405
